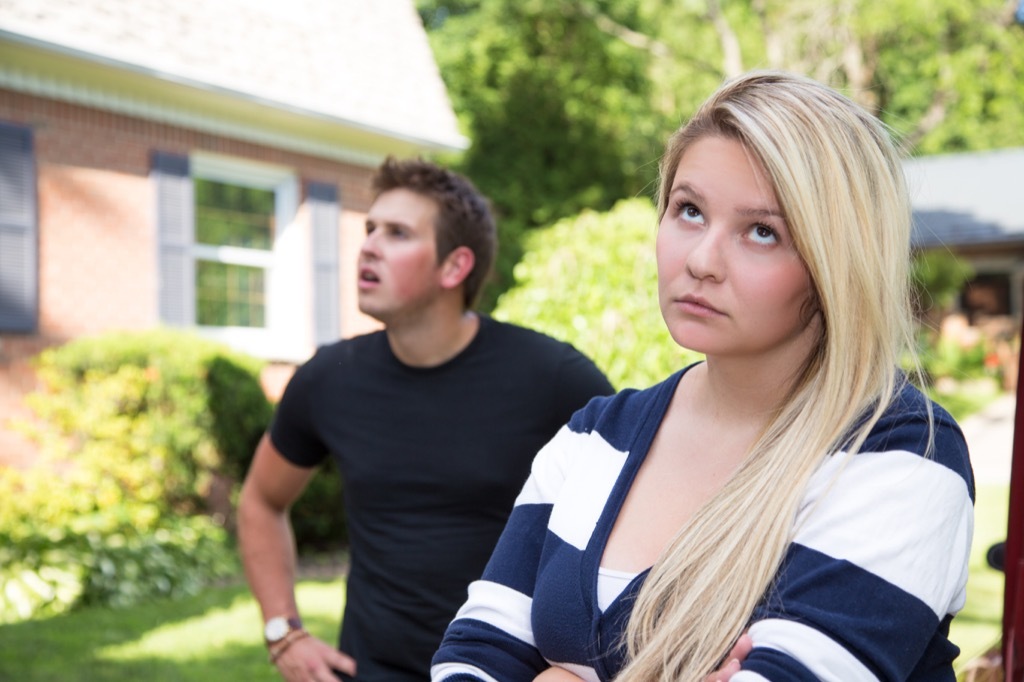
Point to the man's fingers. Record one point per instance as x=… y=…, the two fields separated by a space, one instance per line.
x=342 y=663
x=312 y=660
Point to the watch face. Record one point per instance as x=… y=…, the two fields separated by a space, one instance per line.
x=276 y=629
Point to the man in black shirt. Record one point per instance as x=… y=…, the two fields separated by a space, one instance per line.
x=433 y=423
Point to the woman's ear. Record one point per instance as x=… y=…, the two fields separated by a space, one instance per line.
x=456 y=267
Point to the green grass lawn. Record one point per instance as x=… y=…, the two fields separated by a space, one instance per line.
x=216 y=635
x=979 y=626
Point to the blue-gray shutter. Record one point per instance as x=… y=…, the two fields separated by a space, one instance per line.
x=19 y=235
x=324 y=212
x=175 y=226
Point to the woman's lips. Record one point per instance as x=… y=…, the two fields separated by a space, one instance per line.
x=695 y=305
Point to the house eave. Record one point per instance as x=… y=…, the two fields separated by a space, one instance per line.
x=1008 y=244
x=46 y=69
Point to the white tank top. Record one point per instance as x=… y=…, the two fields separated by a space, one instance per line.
x=610 y=584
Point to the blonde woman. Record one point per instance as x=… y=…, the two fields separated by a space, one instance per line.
x=794 y=485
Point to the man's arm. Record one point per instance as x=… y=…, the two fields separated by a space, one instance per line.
x=269 y=558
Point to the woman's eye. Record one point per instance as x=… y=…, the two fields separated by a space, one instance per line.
x=762 y=234
x=691 y=213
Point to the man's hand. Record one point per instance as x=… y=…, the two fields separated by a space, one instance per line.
x=311 y=660
x=737 y=654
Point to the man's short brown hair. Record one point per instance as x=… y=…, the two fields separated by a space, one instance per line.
x=464 y=216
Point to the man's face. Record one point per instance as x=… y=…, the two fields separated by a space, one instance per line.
x=399 y=275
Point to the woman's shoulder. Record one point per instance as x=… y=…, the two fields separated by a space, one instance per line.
x=619 y=416
x=915 y=424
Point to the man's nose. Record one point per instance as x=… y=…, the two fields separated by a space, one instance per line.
x=369 y=245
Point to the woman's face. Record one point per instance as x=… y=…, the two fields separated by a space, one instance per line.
x=730 y=281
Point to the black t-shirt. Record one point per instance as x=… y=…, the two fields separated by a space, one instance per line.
x=431 y=461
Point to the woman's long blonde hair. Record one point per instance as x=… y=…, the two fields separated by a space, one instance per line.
x=839 y=181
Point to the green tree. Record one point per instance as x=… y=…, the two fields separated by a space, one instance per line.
x=568 y=103
x=938 y=278
x=945 y=74
x=557 y=109
x=592 y=280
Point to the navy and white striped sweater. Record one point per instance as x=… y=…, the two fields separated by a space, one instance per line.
x=877 y=568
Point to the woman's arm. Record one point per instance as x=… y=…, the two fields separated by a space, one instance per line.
x=556 y=674
x=731 y=666
x=878 y=565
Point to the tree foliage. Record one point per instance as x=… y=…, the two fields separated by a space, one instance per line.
x=592 y=280
x=938 y=278
x=557 y=109
x=567 y=103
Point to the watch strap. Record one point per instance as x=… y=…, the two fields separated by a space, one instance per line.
x=294 y=623
x=278 y=648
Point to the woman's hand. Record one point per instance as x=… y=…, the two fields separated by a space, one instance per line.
x=740 y=650
x=556 y=674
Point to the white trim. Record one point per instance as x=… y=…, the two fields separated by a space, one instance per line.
x=288 y=330
x=234 y=170
x=990 y=264
x=234 y=255
x=93 y=60
x=76 y=94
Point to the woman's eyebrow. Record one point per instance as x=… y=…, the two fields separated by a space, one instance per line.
x=690 y=190
x=762 y=212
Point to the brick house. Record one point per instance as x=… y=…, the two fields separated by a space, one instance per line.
x=198 y=164
x=971 y=205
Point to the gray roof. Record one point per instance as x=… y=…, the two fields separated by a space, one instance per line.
x=970 y=199
x=361 y=63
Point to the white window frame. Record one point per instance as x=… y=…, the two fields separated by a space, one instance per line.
x=286 y=334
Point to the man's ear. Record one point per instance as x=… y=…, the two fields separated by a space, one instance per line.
x=457 y=266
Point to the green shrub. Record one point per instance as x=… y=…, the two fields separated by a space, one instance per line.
x=49 y=574
x=134 y=429
x=592 y=280
x=161 y=412
x=66 y=540
x=948 y=358
x=938 y=278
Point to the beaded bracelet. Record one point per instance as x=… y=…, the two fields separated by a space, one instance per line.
x=282 y=646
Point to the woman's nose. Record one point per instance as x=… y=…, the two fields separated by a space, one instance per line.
x=705 y=258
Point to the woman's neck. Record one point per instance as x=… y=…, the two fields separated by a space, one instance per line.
x=733 y=393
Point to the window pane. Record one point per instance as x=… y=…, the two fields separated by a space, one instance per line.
x=232 y=215
x=229 y=295
x=987 y=295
